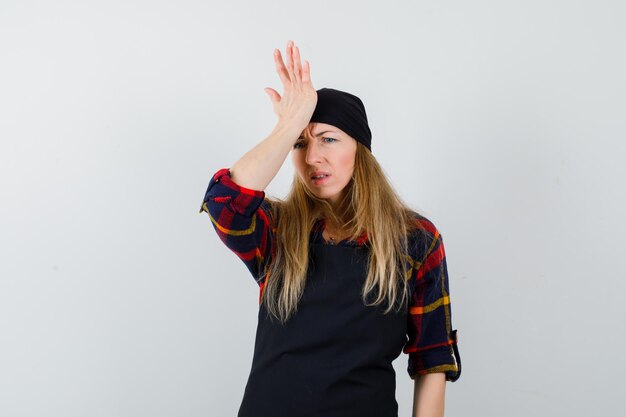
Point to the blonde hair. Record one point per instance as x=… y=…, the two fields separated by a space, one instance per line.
x=371 y=206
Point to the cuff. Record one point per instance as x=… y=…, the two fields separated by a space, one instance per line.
x=438 y=359
x=222 y=189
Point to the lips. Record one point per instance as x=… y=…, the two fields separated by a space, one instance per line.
x=318 y=173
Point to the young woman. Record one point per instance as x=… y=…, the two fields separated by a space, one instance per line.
x=349 y=275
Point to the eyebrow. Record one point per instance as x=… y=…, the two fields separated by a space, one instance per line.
x=319 y=134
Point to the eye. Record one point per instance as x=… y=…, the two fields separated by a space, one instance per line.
x=330 y=140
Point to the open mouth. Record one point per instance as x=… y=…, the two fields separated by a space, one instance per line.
x=319 y=179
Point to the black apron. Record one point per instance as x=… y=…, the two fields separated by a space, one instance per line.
x=333 y=357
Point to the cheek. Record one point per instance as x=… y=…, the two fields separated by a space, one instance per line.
x=347 y=163
x=298 y=164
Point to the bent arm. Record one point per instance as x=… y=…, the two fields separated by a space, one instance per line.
x=258 y=167
x=429 y=395
x=243 y=220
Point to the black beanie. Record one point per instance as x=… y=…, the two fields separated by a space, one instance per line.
x=345 y=111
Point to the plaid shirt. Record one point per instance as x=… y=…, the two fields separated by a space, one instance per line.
x=243 y=221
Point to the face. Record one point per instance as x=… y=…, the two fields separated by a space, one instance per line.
x=324 y=148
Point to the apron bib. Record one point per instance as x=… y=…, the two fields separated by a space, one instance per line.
x=333 y=357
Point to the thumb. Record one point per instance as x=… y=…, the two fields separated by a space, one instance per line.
x=273 y=94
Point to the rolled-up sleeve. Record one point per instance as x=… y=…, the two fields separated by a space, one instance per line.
x=242 y=219
x=432 y=344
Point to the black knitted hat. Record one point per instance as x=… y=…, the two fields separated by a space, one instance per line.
x=344 y=110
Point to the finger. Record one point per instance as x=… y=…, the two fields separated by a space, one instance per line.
x=280 y=67
x=297 y=66
x=290 y=60
x=306 y=72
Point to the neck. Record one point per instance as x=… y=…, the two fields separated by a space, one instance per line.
x=333 y=230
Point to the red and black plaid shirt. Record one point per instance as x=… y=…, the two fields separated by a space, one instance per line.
x=243 y=221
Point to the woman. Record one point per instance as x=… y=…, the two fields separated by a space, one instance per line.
x=349 y=276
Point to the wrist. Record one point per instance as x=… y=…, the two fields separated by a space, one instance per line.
x=290 y=126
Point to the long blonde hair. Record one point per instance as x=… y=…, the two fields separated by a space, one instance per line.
x=371 y=206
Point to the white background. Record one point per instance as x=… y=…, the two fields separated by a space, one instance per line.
x=502 y=121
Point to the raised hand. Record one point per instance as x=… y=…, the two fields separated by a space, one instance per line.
x=299 y=97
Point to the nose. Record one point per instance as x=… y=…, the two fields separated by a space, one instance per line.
x=313 y=153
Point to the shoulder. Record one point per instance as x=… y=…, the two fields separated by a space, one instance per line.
x=423 y=238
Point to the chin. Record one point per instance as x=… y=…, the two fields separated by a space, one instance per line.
x=326 y=196
x=323 y=195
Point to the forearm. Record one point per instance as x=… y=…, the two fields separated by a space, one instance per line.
x=258 y=167
x=429 y=395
